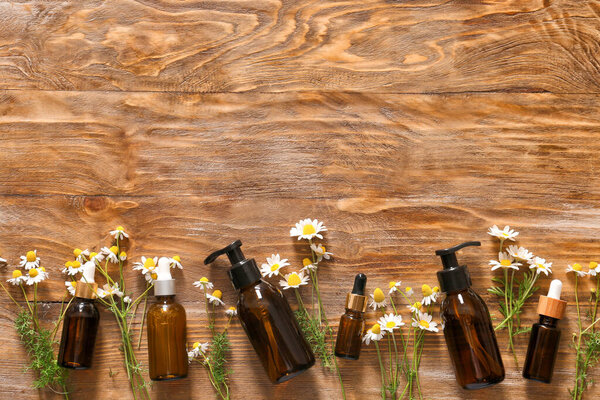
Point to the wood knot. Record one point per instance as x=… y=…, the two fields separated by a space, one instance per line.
x=96 y=204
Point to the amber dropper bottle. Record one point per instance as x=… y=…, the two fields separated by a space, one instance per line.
x=267 y=318
x=352 y=323
x=467 y=325
x=545 y=336
x=80 y=324
x=166 y=326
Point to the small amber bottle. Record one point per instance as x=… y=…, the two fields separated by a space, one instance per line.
x=80 y=324
x=468 y=326
x=166 y=325
x=352 y=323
x=545 y=336
x=267 y=318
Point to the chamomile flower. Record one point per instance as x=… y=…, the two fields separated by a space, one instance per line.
x=377 y=299
x=415 y=307
x=176 y=262
x=122 y=256
x=308 y=229
x=231 y=311
x=576 y=268
x=394 y=286
x=17 y=278
x=215 y=298
x=197 y=349
x=409 y=291
x=389 y=322
x=504 y=261
x=36 y=275
x=72 y=268
x=503 y=234
x=204 y=283
x=30 y=260
x=273 y=265
x=71 y=286
x=146 y=265
x=374 y=334
x=127 y=299
x=425 y=322
x=519 y=253
x=81 y=255
x=96 y=257
x=150 y=277
x=108 y=290
x=429 y=294
x=112 y=254
x=308 y=265
x=321 y=252
x=119 y=233
x=294 y=280
x=540 y=265
x=594 y=268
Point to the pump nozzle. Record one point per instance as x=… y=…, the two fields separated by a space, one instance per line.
x=89 y=268
x=449 y=255
x=86 y=287
x=163 y=271
x=453 y=277
x=164 y=285
x=243 y=271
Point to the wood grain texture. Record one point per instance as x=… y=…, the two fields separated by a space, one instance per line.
x=278 y=46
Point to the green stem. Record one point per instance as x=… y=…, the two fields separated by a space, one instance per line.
x=381 y=369
x=9 y=295
x=597 y=295
x=578 y=347
x=139 y=342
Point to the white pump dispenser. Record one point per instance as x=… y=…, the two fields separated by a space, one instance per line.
x=164 y=284
x=86 y=287
x=555 y=289
x=89 y=269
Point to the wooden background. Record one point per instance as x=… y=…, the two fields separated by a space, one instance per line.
x=405 y=126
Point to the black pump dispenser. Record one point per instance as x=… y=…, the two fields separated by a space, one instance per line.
x=453 y=277
x=360 y=281
x=243 y=271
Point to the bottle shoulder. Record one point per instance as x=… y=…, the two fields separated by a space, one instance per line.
x=463 y=302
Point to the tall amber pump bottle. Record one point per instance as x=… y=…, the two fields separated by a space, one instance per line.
x=467 y=326
x=267 y=318
x=352 y=323
x=545 y=336
x=80 y=324
x=166 y=324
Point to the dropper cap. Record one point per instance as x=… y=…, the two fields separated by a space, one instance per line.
x=357 y=301
x=551 y=305
x=453 y=277
x=164 y=285
x=243 y=271
x=86 y=287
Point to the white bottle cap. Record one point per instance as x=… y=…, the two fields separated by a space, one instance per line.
x=164 y=284
x=89 y=268
x=555 y=289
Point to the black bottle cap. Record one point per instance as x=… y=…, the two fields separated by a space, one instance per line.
x=243 y=271
x=360 y=282
x=453 y=277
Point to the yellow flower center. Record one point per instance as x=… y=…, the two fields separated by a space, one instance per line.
x=43 y=269
x=390 y=324
x=33 y=272
x=31 y=256
x=114 y=250
x=196 y=345
x=378 y=295
x=505 y=263
x=204 y=279
x=294 y=280
x=308 y=229
x=69 y=264
x=392 y=284
x=119 y=228
x=577 y=267
x=123 y=255
x=408 y=289
x=217 y=294
x=322 y=249
x=75 y=264
x=376 y=329
x=541 y=266
x=274 y=267
x=424 y=323
x=17 y=273
x=306 y=261
x=417 y=305
x=231 y=308
x=149 y=264
x=73 y=283
x=505 y=234
x=177 y=258
x=77 y=252
x=426 y=289
x=153 y=275
x=436 y=289
x=93 y=254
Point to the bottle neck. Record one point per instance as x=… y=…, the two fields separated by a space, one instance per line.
x=165 y=299
x=548 y=321
x=354 y=313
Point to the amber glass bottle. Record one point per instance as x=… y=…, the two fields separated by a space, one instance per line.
x=80 y=325
x=267 y=319
x=467 y=326
x=352 y=323
x=545 y=336
x=166 y=325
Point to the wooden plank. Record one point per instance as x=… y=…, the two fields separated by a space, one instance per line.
x=350 y=147
x=236 y=46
